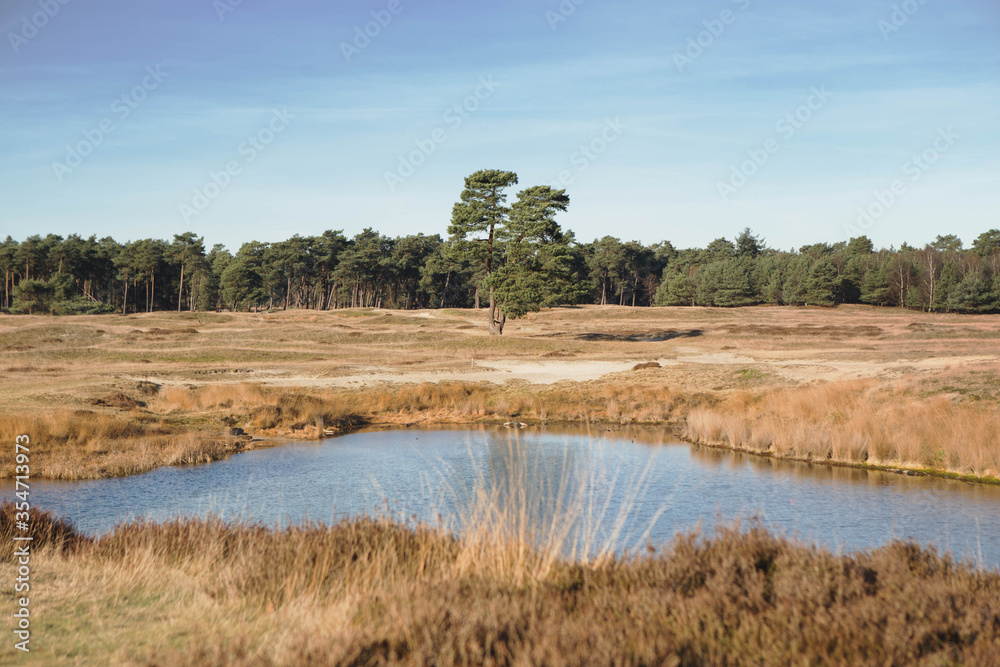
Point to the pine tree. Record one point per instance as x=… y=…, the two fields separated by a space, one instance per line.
x=483 y=210
x=971 y=295
x=946 y=284
x=875 y=284
x=734 y=288
x=822 y=283
x=535 y=257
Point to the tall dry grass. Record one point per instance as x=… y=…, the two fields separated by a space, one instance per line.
x=518 y=521
x=294 y=410
x=83 y=444
x=368 y=591
x=857 y=422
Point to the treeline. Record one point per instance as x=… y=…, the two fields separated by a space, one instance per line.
x=52 y=274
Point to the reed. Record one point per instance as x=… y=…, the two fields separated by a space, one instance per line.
x=856 y=422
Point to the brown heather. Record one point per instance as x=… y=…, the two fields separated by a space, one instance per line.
x=371 y=591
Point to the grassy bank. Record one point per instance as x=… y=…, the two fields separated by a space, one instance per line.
x=373 y=591
x=856 y=422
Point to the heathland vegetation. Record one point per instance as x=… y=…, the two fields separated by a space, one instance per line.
x=515 y=258
x=372 y=591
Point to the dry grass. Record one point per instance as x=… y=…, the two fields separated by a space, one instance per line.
x=271 y=408
x=202 y=592
x=111 y=395
x=856 y=422
x=83 y=444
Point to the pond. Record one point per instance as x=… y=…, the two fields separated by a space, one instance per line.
x=612 y=489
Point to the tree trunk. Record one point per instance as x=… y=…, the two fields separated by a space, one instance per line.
x=930 y=272
x=493 y=316
x=489 y=272
x=477 y=298
x=180 y=292
x=125 y=297
x=902 y=289
x=444 y=292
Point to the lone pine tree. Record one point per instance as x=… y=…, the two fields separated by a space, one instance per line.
x=522 y=250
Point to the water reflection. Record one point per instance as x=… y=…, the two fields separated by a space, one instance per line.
x=591 y=487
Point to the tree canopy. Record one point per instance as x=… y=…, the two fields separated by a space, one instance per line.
x=517 y=254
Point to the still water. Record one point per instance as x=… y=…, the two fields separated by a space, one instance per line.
x=620 y=489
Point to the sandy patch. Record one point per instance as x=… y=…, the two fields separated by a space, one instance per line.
x=805 y=370
x=817 y=368
x=496 y=371
x=714 y=359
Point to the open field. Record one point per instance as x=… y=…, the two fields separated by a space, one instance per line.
x=367 y=591
x=111 y=395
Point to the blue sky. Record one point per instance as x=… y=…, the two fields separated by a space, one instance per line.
x=663 y=132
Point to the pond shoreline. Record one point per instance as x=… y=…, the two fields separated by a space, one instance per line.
x=671 y=428
x=674 y=428
x=409 y=468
